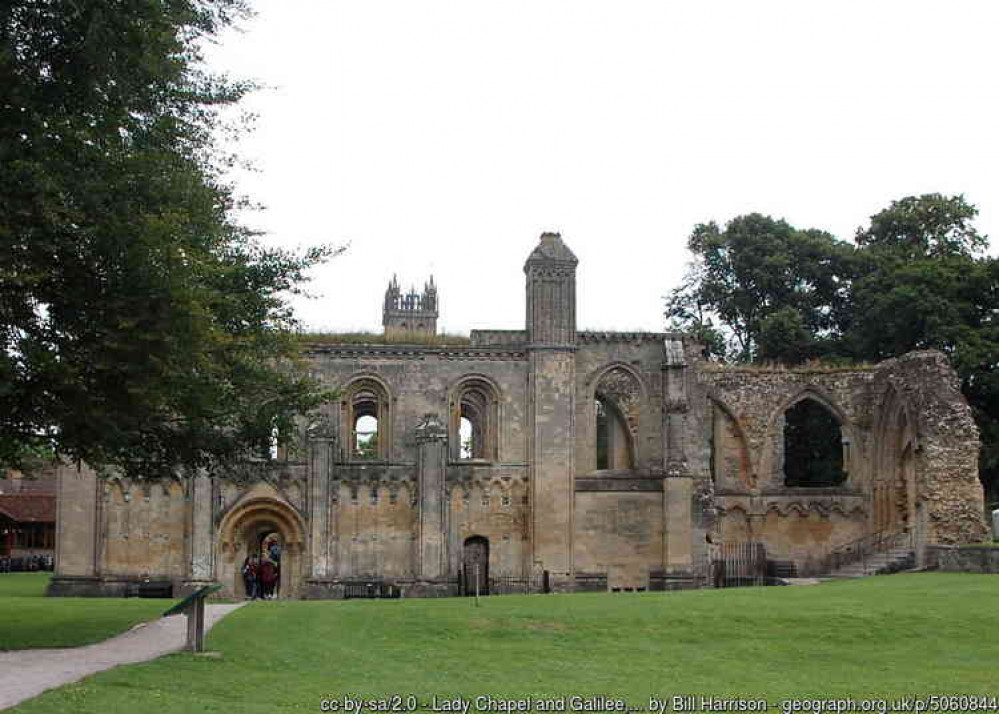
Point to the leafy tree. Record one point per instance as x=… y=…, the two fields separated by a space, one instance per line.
x=757 y=270
x=918 y=278
x=141 y=327
x=925 y=282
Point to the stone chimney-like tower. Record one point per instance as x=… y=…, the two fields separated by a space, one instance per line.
x=551 y=350
x=410 y=313
x=551 y=294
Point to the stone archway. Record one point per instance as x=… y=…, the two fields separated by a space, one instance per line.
x=245 y=526
x=475 y=565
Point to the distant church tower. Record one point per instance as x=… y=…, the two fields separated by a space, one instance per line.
x=410 y=313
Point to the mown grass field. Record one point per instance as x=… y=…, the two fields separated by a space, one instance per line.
x=28 y=619
x=880 y=637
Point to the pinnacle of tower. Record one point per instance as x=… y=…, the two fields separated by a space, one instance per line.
x=552 y=249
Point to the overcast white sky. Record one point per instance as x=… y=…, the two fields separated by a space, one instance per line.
x=445 y=137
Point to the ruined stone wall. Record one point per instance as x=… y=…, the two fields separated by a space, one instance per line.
x=949 y=500
x=492 y=503
x=420 y=380
x=375 y=527
x=620 y=534
x=739 y=418
x=143 y=533
x=737 y=447
x=630 y=365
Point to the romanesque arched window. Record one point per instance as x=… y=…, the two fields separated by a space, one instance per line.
x=813 y=446
x=474 y=420
x=365 y=408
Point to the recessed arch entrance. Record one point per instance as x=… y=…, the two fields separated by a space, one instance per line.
x=475 y=565
x=250 y=527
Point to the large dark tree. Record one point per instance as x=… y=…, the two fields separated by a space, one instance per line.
x=769 y=290
x=918 y=278
x=925 y=281
x=141 y=327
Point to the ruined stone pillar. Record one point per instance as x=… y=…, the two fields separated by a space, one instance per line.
x=431 y=467
x=674 y=407
x=78 y=523
x=322 y=447
x=678 y=488
x=551 y=347
x=201 y=531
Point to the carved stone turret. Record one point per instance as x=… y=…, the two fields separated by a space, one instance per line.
x=551 y=294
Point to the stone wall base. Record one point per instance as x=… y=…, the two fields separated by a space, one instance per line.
x=113 y=586
x=341 y=588
x=963 y=558
x=662 y=581
x=591 y=582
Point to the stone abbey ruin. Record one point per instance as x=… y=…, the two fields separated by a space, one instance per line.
x=601 y=460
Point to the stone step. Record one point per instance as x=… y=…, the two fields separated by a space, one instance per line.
x=888 y=561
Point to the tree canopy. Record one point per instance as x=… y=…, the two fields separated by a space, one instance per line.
x=917 y=277
x=760 y=282
x=142 y=328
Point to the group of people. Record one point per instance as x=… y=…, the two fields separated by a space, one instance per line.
x=262 y=573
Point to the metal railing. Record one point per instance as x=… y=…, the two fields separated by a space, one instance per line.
x=371 y=591
x=741 y=564
x=862 y=551
x=504 y=584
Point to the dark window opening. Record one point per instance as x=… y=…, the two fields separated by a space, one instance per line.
x=813 y=446
x=613 y=443
x=603 y=436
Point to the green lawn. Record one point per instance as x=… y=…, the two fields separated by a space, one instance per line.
x=885 y=636
x=30 y=620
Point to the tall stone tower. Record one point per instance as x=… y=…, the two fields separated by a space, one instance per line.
x=551 y=346
x=410 y=313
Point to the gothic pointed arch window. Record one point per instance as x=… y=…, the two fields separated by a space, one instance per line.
x=474 y=420
x=366 y=420
x=813 y=446
x=728 y=454
x=616 y=402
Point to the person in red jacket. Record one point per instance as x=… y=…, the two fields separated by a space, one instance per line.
x=251 y=579
x=268 y=577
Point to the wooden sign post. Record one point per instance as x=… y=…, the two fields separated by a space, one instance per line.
x=194 y=607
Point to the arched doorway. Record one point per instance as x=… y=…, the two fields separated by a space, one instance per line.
x=894 y=487
x=475 y=565
x=250 y=529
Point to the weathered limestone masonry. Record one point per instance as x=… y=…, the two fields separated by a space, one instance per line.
x=601 y=458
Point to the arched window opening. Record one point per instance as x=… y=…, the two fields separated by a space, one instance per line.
x=728 y=457
x=366 y=437
x=474 y=420
x=366 y=420
x=813 y=446
x=612 y=443
x=467 y=435
x=617 y=407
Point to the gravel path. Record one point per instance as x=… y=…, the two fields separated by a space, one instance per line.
x=28 y=673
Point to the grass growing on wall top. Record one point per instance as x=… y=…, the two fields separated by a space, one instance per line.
x=378 y=338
